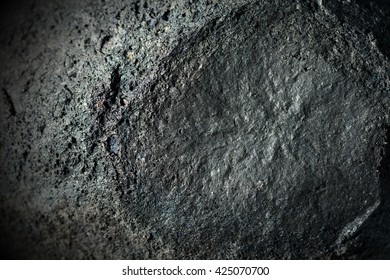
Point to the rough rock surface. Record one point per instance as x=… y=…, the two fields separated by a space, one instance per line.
x=195 y=129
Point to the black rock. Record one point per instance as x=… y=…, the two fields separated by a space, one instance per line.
x=218 y=130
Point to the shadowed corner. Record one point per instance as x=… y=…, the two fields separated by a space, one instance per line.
x=8 y=238
x=382 y=30
x=14 y=237
x=7 y=251
x=8 y=9
x=373 y=237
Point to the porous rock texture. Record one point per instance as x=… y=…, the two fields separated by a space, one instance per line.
x=195 y=129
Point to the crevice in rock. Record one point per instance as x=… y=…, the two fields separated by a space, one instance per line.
x=10 y=103
x=114 y=85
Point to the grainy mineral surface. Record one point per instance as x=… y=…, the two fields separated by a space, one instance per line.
x=195 y=129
